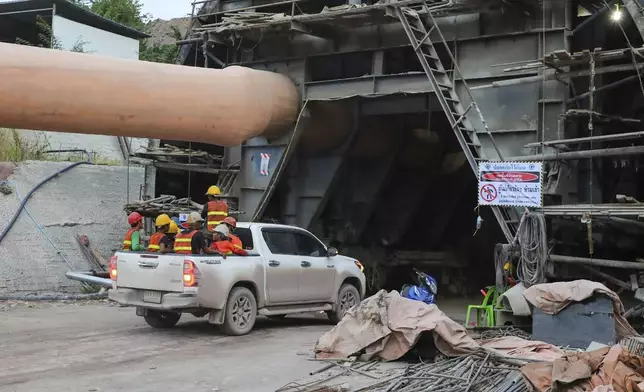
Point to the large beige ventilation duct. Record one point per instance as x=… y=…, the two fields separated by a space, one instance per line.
x=53 y=90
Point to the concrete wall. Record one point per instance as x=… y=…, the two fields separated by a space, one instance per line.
x=86 y=200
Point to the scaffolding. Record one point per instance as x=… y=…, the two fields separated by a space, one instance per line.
x=219 y=24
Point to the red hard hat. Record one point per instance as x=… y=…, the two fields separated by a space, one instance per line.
x=134 y=217
x=231 y=221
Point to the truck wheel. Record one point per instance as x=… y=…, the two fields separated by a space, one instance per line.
x=241 y=312
x=348 y=297
x=161 y=320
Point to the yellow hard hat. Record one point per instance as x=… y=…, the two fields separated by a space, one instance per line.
x=213 y=191
x=163 y=220
x=174 y=229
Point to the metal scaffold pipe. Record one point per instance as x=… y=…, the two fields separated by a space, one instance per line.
x=89 y=279
x=54 y=90
x=597 y=262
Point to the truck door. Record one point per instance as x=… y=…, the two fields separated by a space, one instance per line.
x=283 y=266
x=317 y=279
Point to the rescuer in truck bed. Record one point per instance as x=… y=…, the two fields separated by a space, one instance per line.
x=193 y=240
x=132 y=240
x=160 y=241
x=215 y=210
x=221 y=242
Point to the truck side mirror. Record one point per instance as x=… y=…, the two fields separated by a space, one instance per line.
x=331 y=252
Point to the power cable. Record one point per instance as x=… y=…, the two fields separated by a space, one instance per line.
x=533 y=245
x=42 y=230
x=23 y=203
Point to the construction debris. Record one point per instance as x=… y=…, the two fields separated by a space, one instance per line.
x=387 y=326
x=91 y=255
x=170 y=153
x=167 y=204
x=516 y=347
x=474 y=373
x=612 y=366
x=501 y=332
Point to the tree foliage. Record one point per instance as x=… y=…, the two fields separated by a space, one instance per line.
x=161 y=53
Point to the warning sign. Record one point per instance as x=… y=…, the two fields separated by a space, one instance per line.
x=510 y=184
x=264 y=164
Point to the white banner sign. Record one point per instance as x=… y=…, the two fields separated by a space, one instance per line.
x=517 y=184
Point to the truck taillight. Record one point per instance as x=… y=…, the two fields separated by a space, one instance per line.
x=113 y=270
x=190 y=273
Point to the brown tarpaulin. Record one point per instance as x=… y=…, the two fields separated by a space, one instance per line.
x=552 y=298
x=387 y=326
x=514 y=346
x=584 y=372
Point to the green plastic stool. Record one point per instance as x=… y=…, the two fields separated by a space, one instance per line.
x=489 y=302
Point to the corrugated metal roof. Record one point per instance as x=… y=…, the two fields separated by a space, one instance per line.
x=73 y=12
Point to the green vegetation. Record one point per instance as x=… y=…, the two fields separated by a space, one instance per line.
x=16 y=148
x=161 y=53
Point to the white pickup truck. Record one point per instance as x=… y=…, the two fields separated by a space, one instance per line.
x=287 y=270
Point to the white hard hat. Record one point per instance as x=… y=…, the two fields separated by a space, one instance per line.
x=222 y=229
x=194 y=217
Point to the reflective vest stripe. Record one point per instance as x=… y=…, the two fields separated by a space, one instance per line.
x=127 y=241
x=224 y=247
x=217 y=211
x=183 y=243
x=155 y=242
x=235 y=241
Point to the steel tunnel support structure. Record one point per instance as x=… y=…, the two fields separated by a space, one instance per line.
x=53 y=90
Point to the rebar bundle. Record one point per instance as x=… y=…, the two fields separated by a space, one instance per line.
x=463 y=374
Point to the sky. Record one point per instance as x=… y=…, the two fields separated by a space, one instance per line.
x=167 y=9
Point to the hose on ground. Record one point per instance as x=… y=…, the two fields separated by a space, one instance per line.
x=13 y=220
x=533 y=244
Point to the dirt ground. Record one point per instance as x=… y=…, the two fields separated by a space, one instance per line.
x=97 y=347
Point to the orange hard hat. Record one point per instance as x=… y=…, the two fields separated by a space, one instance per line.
x=230 y=221
x=134 y=217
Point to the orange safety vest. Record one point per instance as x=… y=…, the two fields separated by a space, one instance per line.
x=155 y=242
x=225 y=247
x=127 y=241
x=236 y=241
x=217 y=212
x=183 y=243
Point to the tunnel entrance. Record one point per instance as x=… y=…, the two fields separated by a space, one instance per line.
x=403 y=196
